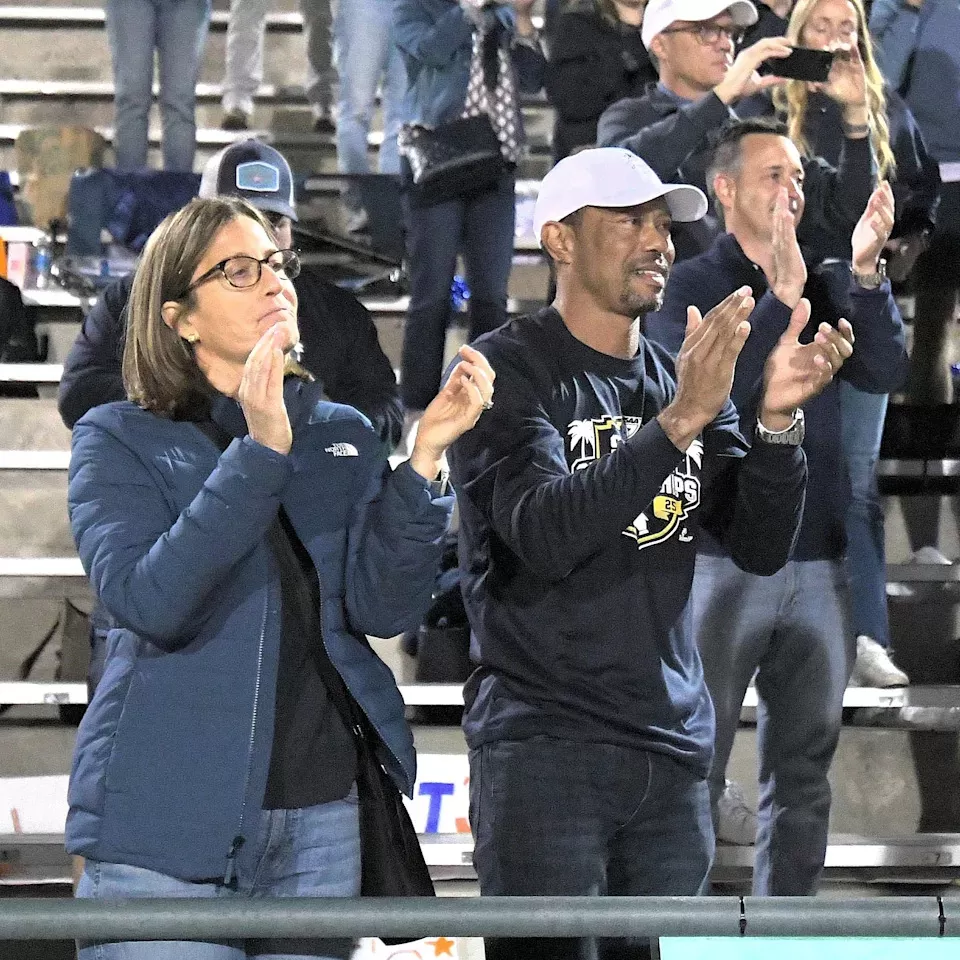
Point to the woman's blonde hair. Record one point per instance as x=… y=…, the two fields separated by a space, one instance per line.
x=160 y=372
x=791 y=100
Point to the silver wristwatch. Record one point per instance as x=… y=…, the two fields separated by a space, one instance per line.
x=871 y=281
x=791 y=437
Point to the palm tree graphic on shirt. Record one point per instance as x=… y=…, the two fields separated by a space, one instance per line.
x=583 y=433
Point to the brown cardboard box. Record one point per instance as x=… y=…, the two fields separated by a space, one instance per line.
x=46 y=160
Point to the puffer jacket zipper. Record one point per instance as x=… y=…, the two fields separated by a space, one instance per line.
x=230 y=873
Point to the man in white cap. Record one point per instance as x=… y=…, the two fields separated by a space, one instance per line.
x=701 y=86
x=589 y=725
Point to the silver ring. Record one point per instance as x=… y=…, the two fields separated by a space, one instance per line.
x=487 y=404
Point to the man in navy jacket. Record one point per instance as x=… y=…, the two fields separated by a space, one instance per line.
x=702 y=87
x=792 y=627
x=582 y=495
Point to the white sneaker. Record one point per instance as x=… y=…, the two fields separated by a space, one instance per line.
x=736 y=819
x=874 y=668
x=930 y=555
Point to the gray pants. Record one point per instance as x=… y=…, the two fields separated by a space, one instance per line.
x=792 y=628
x=244 y=61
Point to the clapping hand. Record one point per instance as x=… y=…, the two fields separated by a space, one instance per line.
x=796 y=372
x=873 y=229
x=705 y=366
x=789 y=272
x=260 y=394
x=467 y=393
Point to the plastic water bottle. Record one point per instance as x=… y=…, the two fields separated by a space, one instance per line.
x=459 y=294
x=41 y=263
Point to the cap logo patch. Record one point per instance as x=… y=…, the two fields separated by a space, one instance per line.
x=259 y=177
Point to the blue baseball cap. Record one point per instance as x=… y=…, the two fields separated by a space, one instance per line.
x=253 y=170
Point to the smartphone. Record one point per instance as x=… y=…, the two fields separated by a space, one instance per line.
x=803 y=63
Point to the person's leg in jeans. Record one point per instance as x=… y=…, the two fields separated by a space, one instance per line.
x=392 y=92
x=800 y=684
x=862 y=415
x=317 y=20
x=488 y=254
x=433 y=241
x=311 y=852
x=131 y=29
x=731 y=647
x=620 y=828
x=181 y=36
x=363 y=37
x=243 y=72
x=115 y=881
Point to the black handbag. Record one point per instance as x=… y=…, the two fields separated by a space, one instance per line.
x=391 y=861
x=456 y=159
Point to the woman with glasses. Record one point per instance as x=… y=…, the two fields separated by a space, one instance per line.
x=246 y=536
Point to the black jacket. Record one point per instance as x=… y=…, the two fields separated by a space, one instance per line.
x=592 y=64
x=338 y=336
x=768 y=24
x=675 y=139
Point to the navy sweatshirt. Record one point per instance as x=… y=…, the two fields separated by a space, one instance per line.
x=878 y=365
x=579 y=521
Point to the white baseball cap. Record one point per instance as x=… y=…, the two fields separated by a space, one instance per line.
x=661 y=13
x=609 y=177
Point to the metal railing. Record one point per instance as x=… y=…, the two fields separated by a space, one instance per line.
x=185 y=919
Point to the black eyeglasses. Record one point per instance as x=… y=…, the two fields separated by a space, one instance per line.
x=243 y=272
x=709 y=33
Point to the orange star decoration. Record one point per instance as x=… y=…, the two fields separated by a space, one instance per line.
x=442 y=947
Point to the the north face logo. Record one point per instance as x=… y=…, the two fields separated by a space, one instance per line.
x=343 y=450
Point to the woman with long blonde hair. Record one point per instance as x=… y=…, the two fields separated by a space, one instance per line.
x=816 y=125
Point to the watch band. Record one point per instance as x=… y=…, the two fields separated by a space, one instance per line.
x=440 y=485
x=792 y=436
x=871 y=281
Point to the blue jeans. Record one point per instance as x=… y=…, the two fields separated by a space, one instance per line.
x=366 y=56
x=556 y=818
x=792 y=628
x=177 y=31
x=862 y=425
x=243 y=70
x=481 y=228
x=313 y=852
